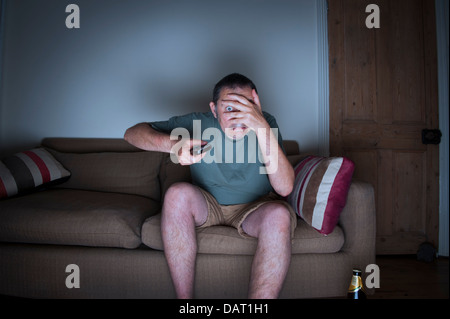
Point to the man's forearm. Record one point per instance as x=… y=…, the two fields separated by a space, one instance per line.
x=282 y=180
x=279 y=170
x=143 y=136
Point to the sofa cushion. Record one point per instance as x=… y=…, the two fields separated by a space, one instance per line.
x=320 y=190
x=25 y=171
x=75 y=217
x=88 y=145
x=172 y=173
x=121 y=172
x=226 y=240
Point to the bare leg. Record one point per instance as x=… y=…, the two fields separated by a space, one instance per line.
x=184 y=208
x=271 y=225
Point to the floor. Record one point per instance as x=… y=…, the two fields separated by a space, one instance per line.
x=404 y=277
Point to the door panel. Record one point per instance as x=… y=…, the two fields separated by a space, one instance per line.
x=383 y=93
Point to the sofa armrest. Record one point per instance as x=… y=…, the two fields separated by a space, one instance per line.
x=358 y=221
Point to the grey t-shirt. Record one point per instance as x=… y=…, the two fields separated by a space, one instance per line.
x=231 y=171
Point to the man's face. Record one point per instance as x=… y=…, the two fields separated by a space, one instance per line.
x=223 y=113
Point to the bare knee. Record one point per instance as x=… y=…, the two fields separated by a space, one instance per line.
x=276 y=218
x=184 y=200
x=270 y=219
x=179 y=193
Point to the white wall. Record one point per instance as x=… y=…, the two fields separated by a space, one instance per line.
x=134 y=61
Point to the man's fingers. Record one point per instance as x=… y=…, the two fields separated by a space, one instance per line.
x=194 y=142
x=190 y=144
x=233 y=115
x=236 y=105
x=256 y=98
x=185 y=157
x=242 y=99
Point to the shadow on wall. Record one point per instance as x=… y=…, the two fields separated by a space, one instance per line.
x=187 y=94
x=182 y=94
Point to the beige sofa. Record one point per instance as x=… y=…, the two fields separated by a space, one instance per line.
x=105 y=219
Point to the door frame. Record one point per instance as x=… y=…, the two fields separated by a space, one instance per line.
x=442 y=17
x=324 y=79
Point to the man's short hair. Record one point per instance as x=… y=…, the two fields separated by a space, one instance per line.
x=232 y=81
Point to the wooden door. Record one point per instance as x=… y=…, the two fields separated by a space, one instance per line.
x=383 y=93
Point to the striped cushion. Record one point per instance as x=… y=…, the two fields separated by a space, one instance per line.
x=320 y=190
x=26 y=170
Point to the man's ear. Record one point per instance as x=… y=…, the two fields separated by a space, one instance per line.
x=213 y=108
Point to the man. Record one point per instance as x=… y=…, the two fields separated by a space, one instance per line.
x=231 y=188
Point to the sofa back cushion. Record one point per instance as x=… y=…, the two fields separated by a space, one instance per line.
x=172 y=173
x=109 y=165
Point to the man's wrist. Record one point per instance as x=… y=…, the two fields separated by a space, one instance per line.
x=265 y=129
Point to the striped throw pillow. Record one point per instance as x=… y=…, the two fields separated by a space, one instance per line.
x=320 y=190
x=27 y=170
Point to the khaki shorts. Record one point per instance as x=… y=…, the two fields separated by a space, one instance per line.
x=234 y=215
